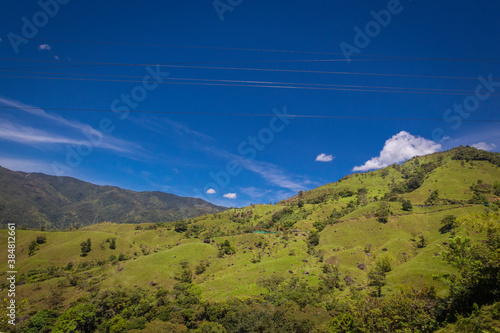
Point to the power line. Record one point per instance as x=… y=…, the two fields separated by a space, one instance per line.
x=248 y=114
x=229 y=81
x=209 y=62
x=185 y=46
x=339 y=88
x=272 y=70
x=259 y=50
x=188 y=63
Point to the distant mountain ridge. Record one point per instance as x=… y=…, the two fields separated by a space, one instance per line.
x=35 y=200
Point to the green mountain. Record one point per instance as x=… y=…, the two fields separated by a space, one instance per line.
x=408 y=248
x=34 y=200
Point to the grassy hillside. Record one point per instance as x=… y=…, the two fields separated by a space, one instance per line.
x=34 y=200
x=392 y=216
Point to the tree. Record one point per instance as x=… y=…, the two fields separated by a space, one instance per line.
x=478 y=280
x=479 y=199
x=331 y=278
x=86 y=247
x=112 y=244
x=432 y=198
x=301 y=203
x=201 y=267
x=384 y=264
x=449 y=222
x=313 y=238
x=32 y=248
x=180 y=226
x=186 y=275
x=458 y=252
x=377 y=279
x=270 y=283
x=80 y=318
x=422 y=241
x=383 y=211
x=407 y=206
x=41 y=239
x=211 y=327
x=226 y=248
x=319 y=225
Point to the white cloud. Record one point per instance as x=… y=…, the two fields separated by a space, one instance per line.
x=45 y=47
x=484 y=146
x=230 y=195
x=211 y=191
x=399 y=148
x=56 y=57
x=324 y=158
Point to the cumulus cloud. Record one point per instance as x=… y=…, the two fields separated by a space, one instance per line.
x=230 y=195
x=211 y=191
x=484 y=146
x=44 y=47
x=399 y=148
x=324 y=158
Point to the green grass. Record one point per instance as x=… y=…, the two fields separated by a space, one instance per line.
x=342 y=243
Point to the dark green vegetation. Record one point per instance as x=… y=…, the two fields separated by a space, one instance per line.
x=402 y=249
x=36 y=200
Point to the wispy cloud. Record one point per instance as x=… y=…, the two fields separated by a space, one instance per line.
x=273 y=174
x=29 y=135
x=202 y=142
x=254 y=192
x=324 y=158
x=399 y=148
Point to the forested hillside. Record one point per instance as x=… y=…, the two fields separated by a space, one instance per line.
x=37 y=200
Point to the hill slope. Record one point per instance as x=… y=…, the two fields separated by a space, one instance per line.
x=320 y=246
x=36 y=200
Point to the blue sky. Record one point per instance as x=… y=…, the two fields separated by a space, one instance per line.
x=241 y=160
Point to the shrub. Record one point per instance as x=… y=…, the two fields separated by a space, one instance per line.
x=180 y=226
x=32 y=248
x=432 y=198
x=200 y=268
x=319 y=225
x=407 y=206
x=226 y=248
x=112 y=243
x=86 y=247
x=383 y=212
x=479 y=199
x=41 y=239
x=449 y=222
